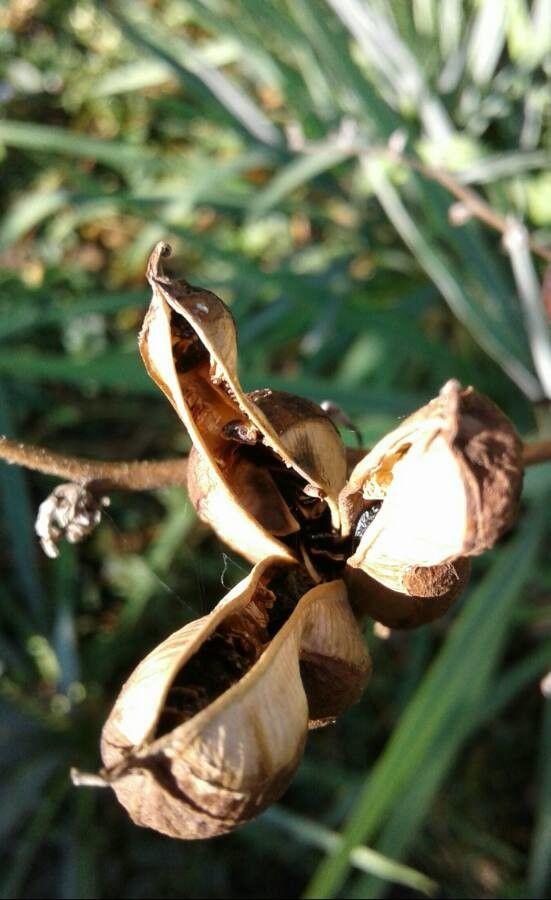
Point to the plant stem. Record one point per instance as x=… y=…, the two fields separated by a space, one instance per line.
x=151 y=474
x=136 y=475
x=537 y=452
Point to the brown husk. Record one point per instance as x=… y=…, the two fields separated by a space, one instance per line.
x=188 y=344
x=210 y=727
x=450 y=479
x=428 y=594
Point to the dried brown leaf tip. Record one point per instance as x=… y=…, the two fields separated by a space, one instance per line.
x=210 y=727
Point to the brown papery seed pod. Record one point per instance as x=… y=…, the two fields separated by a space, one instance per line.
x=260 y=484
x=188 y=343
x=449 y=481
x=210 y=727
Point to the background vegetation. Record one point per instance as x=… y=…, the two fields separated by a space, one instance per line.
x=254 y=135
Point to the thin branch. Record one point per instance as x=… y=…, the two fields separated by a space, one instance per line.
x=348 y=139
x=538 y=452
x=152 y=474
x=469 y=198
x=137 y=475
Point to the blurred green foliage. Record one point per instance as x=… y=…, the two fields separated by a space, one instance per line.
x=249 y=133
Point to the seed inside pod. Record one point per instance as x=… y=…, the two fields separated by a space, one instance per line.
x=242 y=431
x=365 y=520
x=309 y=434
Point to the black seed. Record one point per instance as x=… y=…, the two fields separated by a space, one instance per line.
x=366 y=519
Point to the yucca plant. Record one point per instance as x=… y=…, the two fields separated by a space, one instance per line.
x=364 y=183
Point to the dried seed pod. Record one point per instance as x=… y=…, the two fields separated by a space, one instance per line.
x=449 y=481
x=261 y=510
x=426 y=594
x=210 y=727
x=258 y=484
x=188 y=343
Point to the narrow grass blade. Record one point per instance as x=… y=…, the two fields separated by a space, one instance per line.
x=408 y=815
x=539 y=872
x=353 y=92
x=263 y=63
x=305 y=83
x=486 y=41
x=49 y=139
x=502 y=165
x=110 y=370
x=184 y=59
x=438 y=719
x=464 y=307
x=541 y=29
x=537 y=325
x=528 y=33
x=396 y=66
x=363 y=858
x=19 y=522
x=424 y=17
x=27 y=213
x=134 y=76
x=450 y=21
x=64 y=639
x=299 y=171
